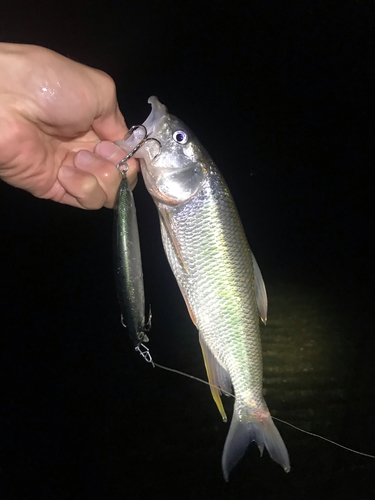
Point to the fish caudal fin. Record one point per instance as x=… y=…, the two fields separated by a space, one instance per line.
x=260 y=429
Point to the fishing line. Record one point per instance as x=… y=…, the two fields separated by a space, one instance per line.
x=324 y=438
x=275 y=418
x=192 y=376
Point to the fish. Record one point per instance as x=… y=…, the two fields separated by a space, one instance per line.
x=127 y=262
x=217 y=274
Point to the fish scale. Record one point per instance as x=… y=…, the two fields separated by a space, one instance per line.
x=219 y=284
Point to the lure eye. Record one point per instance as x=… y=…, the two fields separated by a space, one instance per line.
x=180 y=136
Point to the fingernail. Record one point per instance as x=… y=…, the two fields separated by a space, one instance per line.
x=66 y=172
x=84 y=158
x=106 y=149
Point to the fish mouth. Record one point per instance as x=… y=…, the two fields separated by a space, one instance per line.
x=149 y=127
x=158 y=112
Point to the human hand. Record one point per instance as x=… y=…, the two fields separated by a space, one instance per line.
x=53 y=114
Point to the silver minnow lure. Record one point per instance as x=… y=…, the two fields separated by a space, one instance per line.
x=128 y=264
x=221 y=283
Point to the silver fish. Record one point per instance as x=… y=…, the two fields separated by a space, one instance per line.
x=221 y=283
x=128 y=264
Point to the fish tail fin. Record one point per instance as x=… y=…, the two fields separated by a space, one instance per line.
x=258 y=427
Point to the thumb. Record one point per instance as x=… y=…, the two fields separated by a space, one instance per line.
x=109 y=124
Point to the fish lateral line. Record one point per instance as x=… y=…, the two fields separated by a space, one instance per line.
x=145 y=353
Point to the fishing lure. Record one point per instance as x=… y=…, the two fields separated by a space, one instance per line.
x=127 y=260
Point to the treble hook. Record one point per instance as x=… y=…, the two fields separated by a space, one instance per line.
x=147 y=326
x=124 y=161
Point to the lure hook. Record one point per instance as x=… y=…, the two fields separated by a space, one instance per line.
x=122 y=165
x=124 y=161
x=147 y=326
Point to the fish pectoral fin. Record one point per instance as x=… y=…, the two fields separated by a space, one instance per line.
x=165 y=221
x=218 y=377
x=189 y=308
x=260 y=292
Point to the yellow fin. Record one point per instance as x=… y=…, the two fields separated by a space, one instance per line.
x=209 y=362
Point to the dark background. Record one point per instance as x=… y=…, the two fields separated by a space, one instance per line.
x=281 y=95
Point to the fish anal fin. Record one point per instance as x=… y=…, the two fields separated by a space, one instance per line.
x=218 y=377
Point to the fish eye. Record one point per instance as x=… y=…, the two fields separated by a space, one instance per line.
x=180 y=136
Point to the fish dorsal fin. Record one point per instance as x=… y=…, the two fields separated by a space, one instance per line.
x=217 y=376
x=260 y=292
x=165 y=220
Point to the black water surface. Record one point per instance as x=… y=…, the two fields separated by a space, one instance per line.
x=281 y=95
